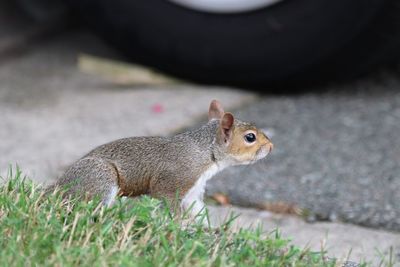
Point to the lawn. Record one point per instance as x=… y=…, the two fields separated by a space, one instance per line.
x=39 y=230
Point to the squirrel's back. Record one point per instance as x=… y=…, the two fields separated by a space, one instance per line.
x=188 y=149
x=140 y=163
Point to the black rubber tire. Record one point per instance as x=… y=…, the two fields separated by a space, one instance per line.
x=296 y=41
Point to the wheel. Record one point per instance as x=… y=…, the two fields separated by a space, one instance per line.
x=293 y=41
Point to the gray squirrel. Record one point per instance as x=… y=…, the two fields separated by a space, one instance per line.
x=174 y=168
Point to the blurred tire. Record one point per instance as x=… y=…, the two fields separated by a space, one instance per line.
x=293 y=42
x=45 y=11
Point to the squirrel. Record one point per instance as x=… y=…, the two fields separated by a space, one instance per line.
x=174 y=168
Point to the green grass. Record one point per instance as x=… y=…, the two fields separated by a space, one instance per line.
x=38 y=230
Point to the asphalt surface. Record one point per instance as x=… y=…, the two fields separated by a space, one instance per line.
x=337 y=153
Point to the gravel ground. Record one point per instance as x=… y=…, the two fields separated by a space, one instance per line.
x=337 y=154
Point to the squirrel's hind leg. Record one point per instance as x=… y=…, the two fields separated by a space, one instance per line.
x=92 y=177
x=108 y=198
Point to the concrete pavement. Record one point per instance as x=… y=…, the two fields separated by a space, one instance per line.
x=345 y=242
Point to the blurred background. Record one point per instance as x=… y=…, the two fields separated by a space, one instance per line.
x=321 y=77
x=258 y=43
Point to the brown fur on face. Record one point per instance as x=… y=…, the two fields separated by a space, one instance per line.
x=232 y=133
x=244 y=151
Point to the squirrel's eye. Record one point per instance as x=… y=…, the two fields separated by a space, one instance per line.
x=250 y=137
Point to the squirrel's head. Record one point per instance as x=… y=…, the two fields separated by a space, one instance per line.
x=242 y=142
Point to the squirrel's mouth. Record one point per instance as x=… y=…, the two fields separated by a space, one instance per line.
x=271 y=146
x=262 y=152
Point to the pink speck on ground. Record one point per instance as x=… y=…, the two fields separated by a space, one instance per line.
x=157 y=108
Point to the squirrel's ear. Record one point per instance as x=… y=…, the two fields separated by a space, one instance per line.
x=215 y=111
x=227 y=126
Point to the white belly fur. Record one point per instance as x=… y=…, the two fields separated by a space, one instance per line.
x=194 y=197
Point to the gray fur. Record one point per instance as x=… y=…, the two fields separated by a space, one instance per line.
x=158 y=166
